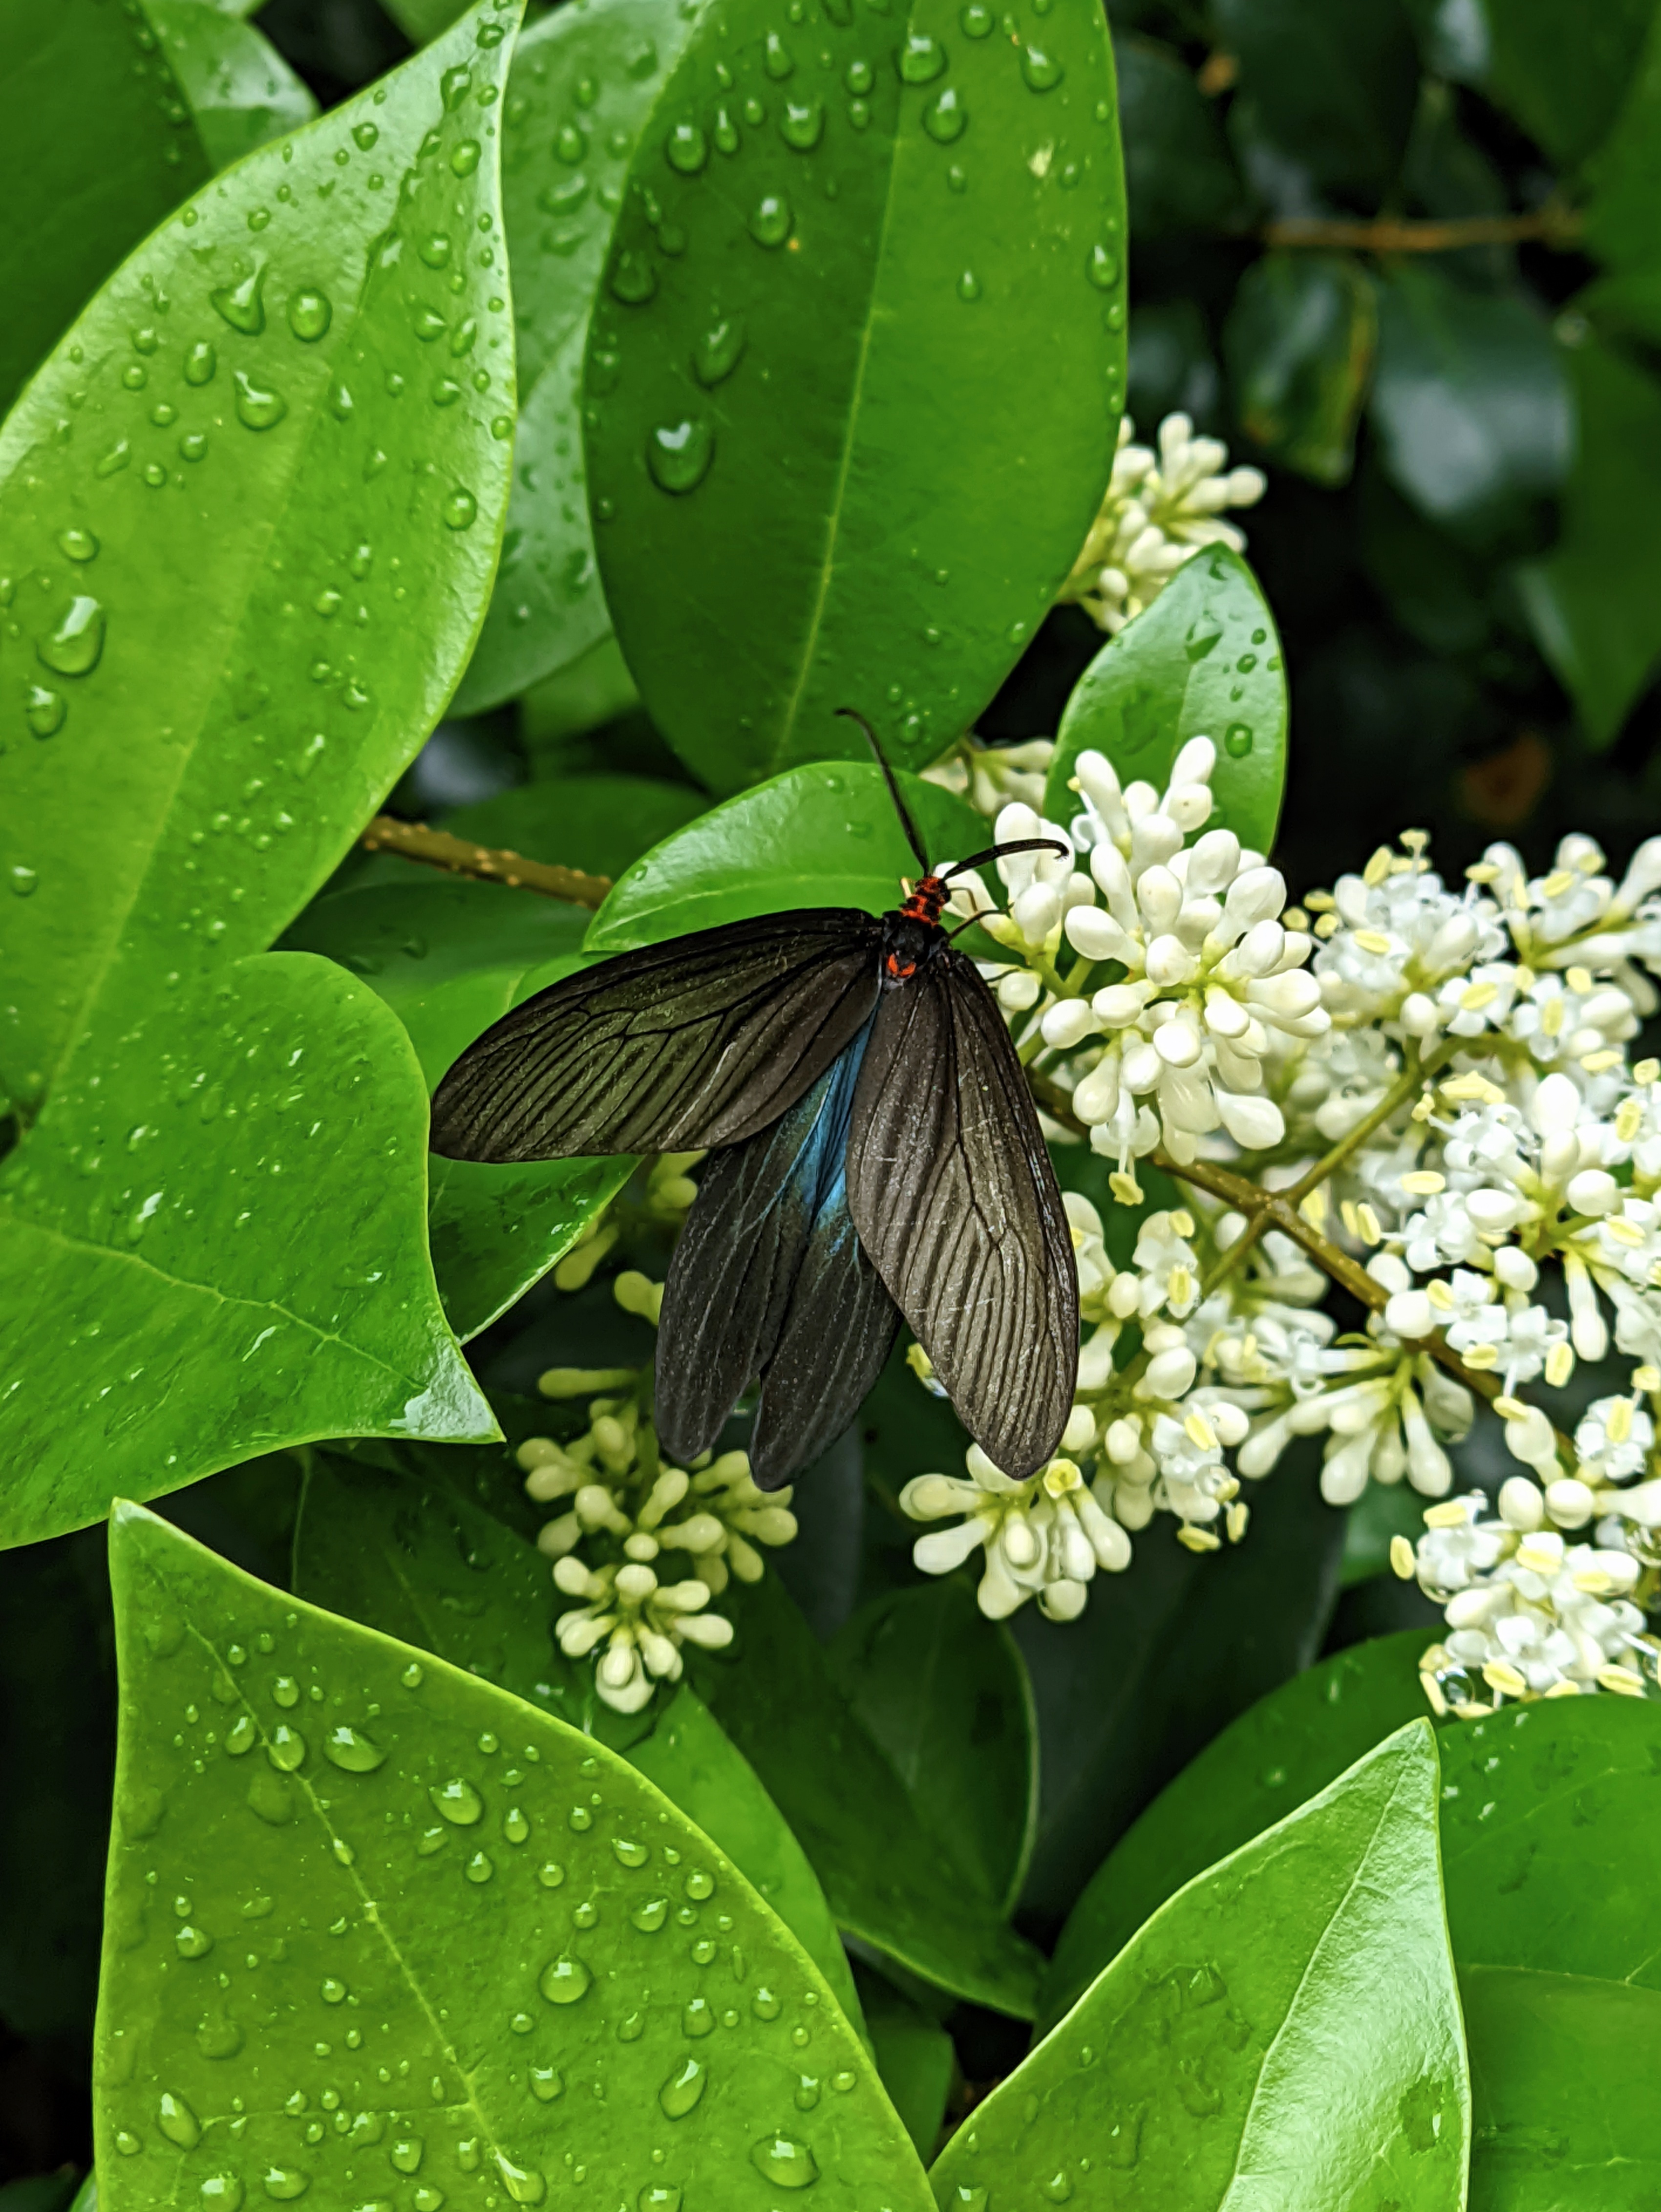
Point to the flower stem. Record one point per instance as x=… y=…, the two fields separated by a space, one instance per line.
x=460 y=856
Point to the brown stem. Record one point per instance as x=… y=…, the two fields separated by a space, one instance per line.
x=1553 y=225
x=460 y=856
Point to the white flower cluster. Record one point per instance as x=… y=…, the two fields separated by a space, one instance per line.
x=990 y=776
x=1160 y=509
x=628 y=1518
x=1423 y=1091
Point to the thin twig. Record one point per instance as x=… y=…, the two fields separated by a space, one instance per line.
x=1553 y=225
x=460 y=856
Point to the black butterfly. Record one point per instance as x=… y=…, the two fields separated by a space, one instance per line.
x=873 y=1145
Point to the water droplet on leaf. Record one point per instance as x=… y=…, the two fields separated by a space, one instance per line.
x=74 y=644
x=678 y=454
x=785 y=2161
x=241 y=305
x=688 y=149
x=770 y=220
x=257 y=408
x=564 y=1980
x=921 y=58
x=684 y=2087
x=309 y=315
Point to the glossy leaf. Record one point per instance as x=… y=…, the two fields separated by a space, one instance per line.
x=1595 y=602
x=1179 y=175
x=1331 y=81
x=161 y=1316
x=1300 y=343
x=416 y=1559
x=239 y=90
x=944 y=1692
x=915 y=2058
x=1625 y=174
x=257 y=559
x=1562 y=2077
x=436 y=1883
x=1564 y=73
x=450 y=956
x=815 y=837
x=1204 y=661
x=1470 y=398
x=584 y=80
x=890 y=1880
x=1285 y=2032
x=422 y=20
x=599 y=824
x=889 y=284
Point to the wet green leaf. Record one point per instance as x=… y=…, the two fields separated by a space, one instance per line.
x=239 y=90
x=1625 y=173
x=1204 y=661
x=1331 y=81
x=162 y=1315
x=599 y=824
x=1563 y=73
x=915 y=2058
x=422 y=20
x=944 y=1692
x=819 y=835
x=834 y=290
x=1562 y=2077
x=269 y=485
x=1179 y=175
x=1285 y=2032
x=1595 y=602
x=890 y=1880
x=435 y=1883
x=584 y=80
x=1470 y=398
x=1299 y=341
x=414 y=1557
x=450 y=956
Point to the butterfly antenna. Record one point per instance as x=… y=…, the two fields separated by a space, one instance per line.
x=888 y=777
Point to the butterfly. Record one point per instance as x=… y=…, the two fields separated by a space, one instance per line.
x=874 y=1153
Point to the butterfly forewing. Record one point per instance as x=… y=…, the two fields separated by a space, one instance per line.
x=837 y=1333
x=951 y=1191
x=699 y=1042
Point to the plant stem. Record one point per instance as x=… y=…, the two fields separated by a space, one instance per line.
x=460 y=856
x=1553 y=225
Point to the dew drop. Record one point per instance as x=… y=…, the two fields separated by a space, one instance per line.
x=524 y=2186
x=842 y=2080
x=969 y=285
x=631 y=2028
x=580 y=1817
x=687 y=148
x=241 y=305
x=44 y=710
x=550 y=1876
x=1103 y=268
x=218 y=2036
x=193 y=1942
x=1041 y=71
x=656 y=2198
x=807 y=2091
x=649 y=1915
x=454 y=85
x=684 y=2087
x=221 y=2193
x=309 y=315
x=458 y=509
x=1059 y=2187
x=1237 y=740
x=546 y=2083
x=284 y=2183
x=73 y=646
x=564 y=1980
x=700 y=1885
x=698 y=2019
x=480 y=1868
x=434 y=249
x=128 y=2143
x=350 y=1750
x=178 y=2121
x=802 y=124
x=717 y=352
x=921 y=59
x=257 y=408
x=946 y=119
x=726 y=131
x=977 y=20
x=515 y=1826
x=200 y=362
x=333 y=1991
x=634 y=280
x=77 y=544
x=678 y=454
x=765 y=2004
x=413 y=1675
x=366 y=137
x=458 y=1803
x=770 y=220
x=464 y=155
x=406 y=2153
x=24 y=882
x=785 y=2161
x=777 y=59
x=286 y=1748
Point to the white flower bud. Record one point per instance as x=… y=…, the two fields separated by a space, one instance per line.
x=1254 y=1124
x=1063 y=1600
x=1419 y=1016
x=1594 y=1191
x=1555 y=1105
x=1176 y=1044
x=1169 y=1373
x=1259 y=951
x=1514 y=1269
x=1118 y=1004
x=1123 y=1441
x=1096 y=934
x=1170 y=962
x=1294 y=993
x=1569 y=1501
x=1017 y=991
x=1141 y=1068
x=1529 y=1439
x=1196 y=760
x=1160 y=899
x=1495 y=1210
x=1080 y=1434
x=1189 y=804
x=1068 y=1022
x=1037 y=911
x=1410 y=1313
x=1099 y=782
x=1258 y=895
x=1096 y=1095
x=1214 y=862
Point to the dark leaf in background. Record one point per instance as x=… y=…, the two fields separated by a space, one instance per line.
x=1595 y=602
x=238 y=87
x=1469 y=399
x=821 y=1568
x=1621 y=225
x=1162 y=1657
x=1179 y=175
x=1331 y=81
x=915 y=2058
x=1173 y=367
x=1435 y=588
x=1563 y=71
x=599 y=824
x=1300 y=343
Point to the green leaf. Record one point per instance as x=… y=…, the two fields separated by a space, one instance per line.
x=422 y=20
x=163 y=1317
x=1625 y=173
x=599 y=824
x=1563 y=73
x=1288 y=1746
x=1299 y=341
x=890 y=1880
x=239 y=90
x=915 y=2058
x=410 y=1554
x=386 y=1851
x=1595 y=603
x=1562 y=2077
x=819 y=835
x=1179 y=175
x=1285 y=2032
x=944 y=1692
x=41 y=2192
x=1331 y=81
x=1204 y=661
x=893 y=270
x=1470 y=398
x=215 y=635
x=450 y=956
x=555 y=716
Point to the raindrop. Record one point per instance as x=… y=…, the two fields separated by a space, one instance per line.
x=352 y=1751
x=221 y=2193
x=717 y=352
x=807 y=2093
x=284 y=2183
x=310 y=312
x=969 y=285
x=777 y=59
x=977 y=20
x=366 y=137
x=688 y=149
x=74 y=646
x=571 y=145
x=193 y=1942
x=921 y=58
x=634 y=280
x=754 y=112
x=765 y=2004
x=697 y=2020
x=241 y=1736
x=786 y=2163
x=44 y=710
x=287 y=1748
x=587 y=1914
x=218 y=2036
x=678 y=454
x=523 y=2186
x=256 y=409
x=1103 y=269
x=128 y=2143
x=700 y=1885
x=656 y=2199
x=580 y=1817
x=859 y=77
x=628 y=1853
x=1237 y=740
x=770 y=220
x=458 y=509
x=649 y=1915
x=464 y=156
x=460 y=1803
x=178 y=2121
x=286 y=1691
x=564 y=1980
x=842 y=2080
x=726 y=131
x=802 y=124
x=77 y=544
x=413 y=1675
x=515 y=1826
x=1042 y=72
x=241 y=305
x=684 y=2087
x=406 y=2153
x=550 y=1876
x=454 y=86
x=434 y=249
x=333 y=1991
x=480 y=1868
x=546 y=2083
x=200 y=363
x=946 y=119
x=1059 y=2187
x=631 y=2028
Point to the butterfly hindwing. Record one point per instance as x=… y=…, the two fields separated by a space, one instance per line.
x=670 y=1048
x=951 y=1191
